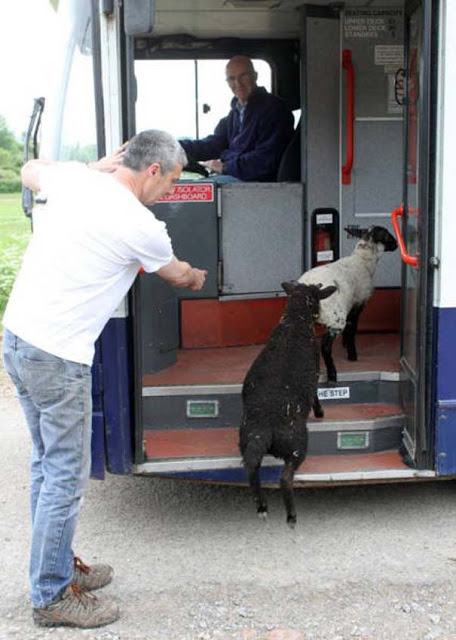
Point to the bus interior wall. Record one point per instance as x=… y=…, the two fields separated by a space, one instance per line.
x=196 y=348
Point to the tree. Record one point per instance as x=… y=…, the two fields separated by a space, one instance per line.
x=11 y=153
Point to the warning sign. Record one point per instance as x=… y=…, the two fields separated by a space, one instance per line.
x=389 y=55
x=191 y=193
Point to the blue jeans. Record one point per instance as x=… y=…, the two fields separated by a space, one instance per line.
x=55 y=395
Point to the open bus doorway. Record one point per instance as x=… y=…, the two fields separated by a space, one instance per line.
x=196 y=350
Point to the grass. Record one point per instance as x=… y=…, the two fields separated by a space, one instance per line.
x=14 y=237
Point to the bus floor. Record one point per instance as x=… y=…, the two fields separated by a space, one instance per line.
x=229 y=365
x=378 y=354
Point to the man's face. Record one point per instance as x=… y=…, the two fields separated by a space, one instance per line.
x=241 y=79
x=158 y=184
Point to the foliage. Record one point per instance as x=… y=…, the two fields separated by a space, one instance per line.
x=87 y=153
x=14 y=237
x=11 y=154
x=13 y=185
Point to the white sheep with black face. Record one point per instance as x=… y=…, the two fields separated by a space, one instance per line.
x=353 y=277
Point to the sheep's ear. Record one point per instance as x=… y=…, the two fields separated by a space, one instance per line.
x=355 y=232
x=326 y=292
x=383 y=236
x=289 y=287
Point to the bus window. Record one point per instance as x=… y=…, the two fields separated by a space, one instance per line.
x=186 y=97
x=78 y=134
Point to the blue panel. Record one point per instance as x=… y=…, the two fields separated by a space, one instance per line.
x=446 y=440
x=98 y=448
x=446 y=354
x=117 y=385
x=445 y=392
x=98 y=441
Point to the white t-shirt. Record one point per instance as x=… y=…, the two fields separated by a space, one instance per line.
x=88 y=242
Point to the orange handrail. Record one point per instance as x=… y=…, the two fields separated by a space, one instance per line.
x=408 y=259
x=348 y=66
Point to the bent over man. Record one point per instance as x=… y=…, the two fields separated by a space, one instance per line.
x=90 y=238
x=249 y=142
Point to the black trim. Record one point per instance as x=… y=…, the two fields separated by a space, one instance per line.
x=97 y=80
x=306 y=255
x=426 y=203
x=317 y=11
x=429 y=335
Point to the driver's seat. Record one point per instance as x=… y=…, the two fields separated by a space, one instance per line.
x=290 y=164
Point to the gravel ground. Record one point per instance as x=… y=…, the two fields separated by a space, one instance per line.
x=193 y=562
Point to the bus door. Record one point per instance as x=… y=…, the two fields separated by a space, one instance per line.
x=416 y=215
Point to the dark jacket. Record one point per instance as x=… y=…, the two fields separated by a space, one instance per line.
x=253 y=152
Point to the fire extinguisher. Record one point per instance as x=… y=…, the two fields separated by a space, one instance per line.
x=325 y=236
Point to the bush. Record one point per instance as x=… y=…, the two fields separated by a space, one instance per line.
x=10 y=185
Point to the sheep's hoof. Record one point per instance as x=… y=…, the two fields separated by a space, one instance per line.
x=291 y=522
x=263 y=513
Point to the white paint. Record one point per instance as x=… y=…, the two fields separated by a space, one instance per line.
x=110 y=64
x=445 y=292
x=333 y=393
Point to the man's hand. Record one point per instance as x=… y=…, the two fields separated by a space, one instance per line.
x=181 y=274
x=214 y=165
x=198 y=278
x=109 y=164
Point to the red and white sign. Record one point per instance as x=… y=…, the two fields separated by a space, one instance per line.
x=201 y=192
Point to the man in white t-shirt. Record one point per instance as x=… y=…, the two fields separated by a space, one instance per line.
x=91 y=236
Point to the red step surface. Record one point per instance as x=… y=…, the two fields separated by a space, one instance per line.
x=208 y=442
x=376 y=352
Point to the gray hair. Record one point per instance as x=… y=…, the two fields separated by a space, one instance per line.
x=152 y=146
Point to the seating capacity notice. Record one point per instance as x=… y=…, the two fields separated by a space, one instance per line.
x=190 y=193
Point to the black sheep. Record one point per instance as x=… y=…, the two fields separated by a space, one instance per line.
x=279 y=391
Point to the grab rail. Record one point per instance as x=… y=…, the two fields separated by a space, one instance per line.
x=408 y=259
x=350 y=91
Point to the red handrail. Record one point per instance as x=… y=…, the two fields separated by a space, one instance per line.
x=350 y=91
x=399 y=211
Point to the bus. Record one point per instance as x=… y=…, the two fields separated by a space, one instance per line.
x=372 y=88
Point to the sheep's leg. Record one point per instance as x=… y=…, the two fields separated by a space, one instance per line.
x=326 y=352
x=253 y=449
x=317 y=408
x=286 y=485
x=349 y=333
x=254 y=480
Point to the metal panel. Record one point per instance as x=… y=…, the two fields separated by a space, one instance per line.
x=262 y=236
x=159 y=323
x=322 y=94
x=192 y=227
x=375 y=37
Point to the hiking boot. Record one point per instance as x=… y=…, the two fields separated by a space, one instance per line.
x=76 y=608
x=94 y=577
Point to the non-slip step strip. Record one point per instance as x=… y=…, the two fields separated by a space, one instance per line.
x=227 y=389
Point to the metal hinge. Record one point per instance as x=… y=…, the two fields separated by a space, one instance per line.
x=219 y=275
x=434 y=262
x=107 y=7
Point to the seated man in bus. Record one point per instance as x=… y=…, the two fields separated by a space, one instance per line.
x=249 y=142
